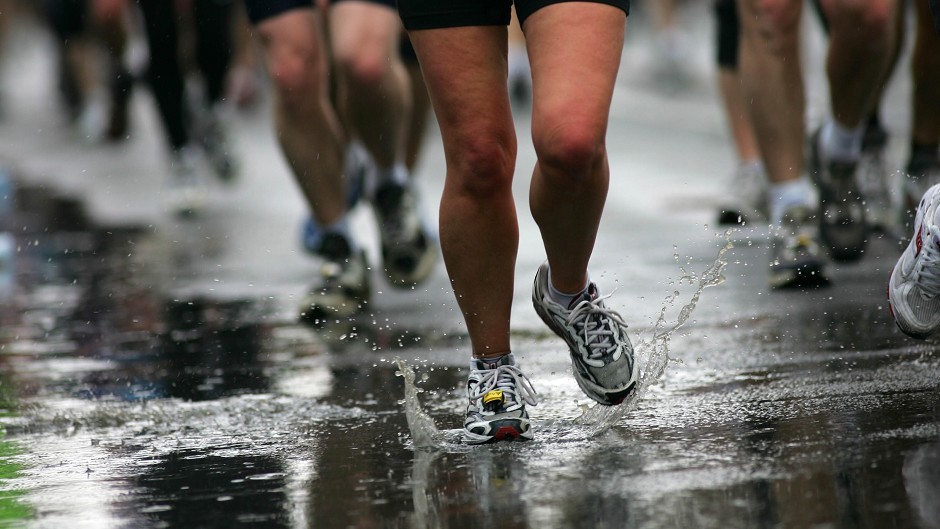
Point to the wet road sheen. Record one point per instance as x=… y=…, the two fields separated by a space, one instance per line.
x=128 y=404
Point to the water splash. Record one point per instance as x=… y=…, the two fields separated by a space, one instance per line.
x=653 y=351
x=424 y=433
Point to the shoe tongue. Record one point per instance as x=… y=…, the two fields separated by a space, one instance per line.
x=589 y=295
x=493 y=363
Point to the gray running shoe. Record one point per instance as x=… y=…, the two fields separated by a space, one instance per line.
x=601 y=353
x=843 y=227
x=497 y=392
x=914 y=287
x=186 y=194
x=213 y=136
x=873 y=181
x=343 y=287
x=408 y=249
x=795 y=256
x=745 y=199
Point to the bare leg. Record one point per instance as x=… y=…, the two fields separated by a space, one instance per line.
x=574 y=50
x=773 y=80
x=736 y=110
x=307 y=126
x=860 y=50
x=465 y=72
x=375 y=92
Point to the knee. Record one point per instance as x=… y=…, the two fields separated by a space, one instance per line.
x=569 y=153
x=872 y=18
x=484 y=166
x=772 y=26
x=363 y=66
x=297 y=75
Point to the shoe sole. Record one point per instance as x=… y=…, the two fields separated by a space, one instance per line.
x=505 y=430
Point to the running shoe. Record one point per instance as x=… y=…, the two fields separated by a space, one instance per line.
x=408 y=249
x=843 y=227
x=914 y=287
x=601 y=353
x=873 y=178
x=498 y=392
x=343 y=289
x=795 y=256
x=213 y=136
x=187 y=192
x=745 y=199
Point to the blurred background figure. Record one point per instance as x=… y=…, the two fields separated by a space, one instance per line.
x=191 y=48
x=95 y=90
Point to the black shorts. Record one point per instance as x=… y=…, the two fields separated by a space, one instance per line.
x=935 y=9
x=260 y=10
x=729 y=33
x=433 y=14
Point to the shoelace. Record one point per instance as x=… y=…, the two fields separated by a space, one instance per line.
x=928 y=265
x=593 y=320
x=511 y=380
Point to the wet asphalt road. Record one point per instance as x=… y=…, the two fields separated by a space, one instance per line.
x=153 y=372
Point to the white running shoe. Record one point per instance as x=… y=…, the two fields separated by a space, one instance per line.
x=498 y=392
x=914 y=287
x=187 y=192
x=601 y=353
x=745 y=198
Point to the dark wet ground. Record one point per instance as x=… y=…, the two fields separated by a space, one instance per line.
x=153 y=373
x=126 y=407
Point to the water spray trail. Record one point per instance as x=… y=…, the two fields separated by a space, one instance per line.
x=424 y=432
x=601 y=418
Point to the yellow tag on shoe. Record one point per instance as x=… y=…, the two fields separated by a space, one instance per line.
x=493 y=399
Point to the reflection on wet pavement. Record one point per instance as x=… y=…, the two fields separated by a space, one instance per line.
x=128 y=403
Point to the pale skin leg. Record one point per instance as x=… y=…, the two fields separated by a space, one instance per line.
x=307 y=126
x=736 y=109
x=859 y=52
x=772 y=79
x=465 y=70
x=374 y=86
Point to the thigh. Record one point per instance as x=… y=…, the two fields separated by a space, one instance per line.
x=364 y=27
x=574 y=51
x=465 y=73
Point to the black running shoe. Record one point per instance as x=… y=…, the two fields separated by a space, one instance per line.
x=843 y=228
x=408 y=250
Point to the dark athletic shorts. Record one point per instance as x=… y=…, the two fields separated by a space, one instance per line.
x=260 y=10
x=433 y=14
x=729 y=33
x=935 y=9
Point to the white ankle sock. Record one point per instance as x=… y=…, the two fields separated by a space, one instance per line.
x=841 y=143
x=562 y=298
x=785 y=195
